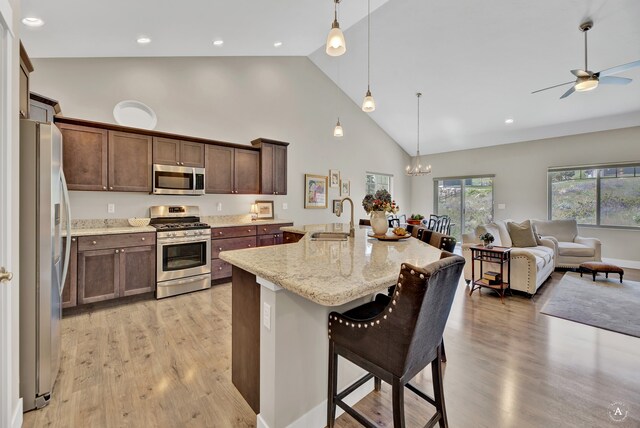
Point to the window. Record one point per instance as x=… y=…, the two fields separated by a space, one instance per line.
x=377 y=181
x=468 y=201
x=604 y=195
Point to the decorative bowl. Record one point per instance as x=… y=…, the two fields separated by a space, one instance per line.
x=139 y=222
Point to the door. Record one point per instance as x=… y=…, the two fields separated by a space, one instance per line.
x=246 y=173
x=267 y=169
x=98 y=275
x=468 y=201
x=9 y=156
x=192 y=154
x=219 y=162
x=166 y=151
x=84 y=157
x=280 y=170
x=137 y=270
x=130 y=158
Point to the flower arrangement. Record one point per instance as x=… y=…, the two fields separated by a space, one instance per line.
x=486 y=238
x=381 y=201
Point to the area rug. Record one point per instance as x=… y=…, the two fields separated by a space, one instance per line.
x=606 y=304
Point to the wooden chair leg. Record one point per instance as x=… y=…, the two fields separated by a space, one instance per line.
x=443 y=356
x=438 y=391
x=377 y=383
x=333 y=385
x=397 y=391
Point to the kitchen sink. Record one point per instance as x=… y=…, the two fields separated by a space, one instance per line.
x=329 y=236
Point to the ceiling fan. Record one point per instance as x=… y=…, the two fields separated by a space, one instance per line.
x=588 y=80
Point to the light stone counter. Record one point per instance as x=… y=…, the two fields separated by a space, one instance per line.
x=332 y=273
x=329 y=227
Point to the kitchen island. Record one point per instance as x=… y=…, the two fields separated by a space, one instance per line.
x=282 y=296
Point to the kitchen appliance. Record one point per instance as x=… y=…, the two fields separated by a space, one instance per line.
x=183 y=262
x=177 y=180
x=44 y=258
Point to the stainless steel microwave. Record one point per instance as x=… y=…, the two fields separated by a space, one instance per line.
x=177 y=180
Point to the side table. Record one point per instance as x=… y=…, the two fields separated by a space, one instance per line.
x=499 y=255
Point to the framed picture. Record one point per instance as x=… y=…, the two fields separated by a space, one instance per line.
x=336 y=204
x=315 y=191
x=334 y=178
x=265 y=209
x=345 y=188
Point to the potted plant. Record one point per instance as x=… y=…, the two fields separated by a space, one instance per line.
x=378 y=206
x=487 y=239
x=415 y=219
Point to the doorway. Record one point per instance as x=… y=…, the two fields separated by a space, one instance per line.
x=468 y=201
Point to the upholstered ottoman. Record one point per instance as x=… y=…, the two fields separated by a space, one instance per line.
x=600 y=267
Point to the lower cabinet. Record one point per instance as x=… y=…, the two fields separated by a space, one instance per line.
x=266 y=240
x=109 y=273
x=291 y=237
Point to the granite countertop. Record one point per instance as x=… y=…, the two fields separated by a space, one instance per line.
x=332 y=273
x=329 y=227
x=117 y=226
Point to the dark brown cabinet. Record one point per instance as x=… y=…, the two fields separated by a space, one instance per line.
x=291 y=237
x=84 y=157
x=270 y=234
x=273 y=166
x=70 y=291
x=232 y=170
x=111 y=266
x=176 y=152
x=129 y=162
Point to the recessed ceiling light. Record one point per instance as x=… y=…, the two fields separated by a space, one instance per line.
x=508 y=121
x=218 y=42
x=144 y=40
x=33 y=22
x=277 y=44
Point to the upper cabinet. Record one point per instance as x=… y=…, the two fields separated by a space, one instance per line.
x=176 y=152
x=232 y=170
x=26 y=68
x=273 y=166
x=41 y=108
x=97 y=159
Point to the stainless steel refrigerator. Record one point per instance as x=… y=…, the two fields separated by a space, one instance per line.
x=44 y=210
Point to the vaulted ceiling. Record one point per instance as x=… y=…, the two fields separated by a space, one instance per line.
x=475 y=62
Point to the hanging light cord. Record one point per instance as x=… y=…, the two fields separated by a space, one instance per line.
x=368 y=45
x=585 y=51
x=335 y=10
x=418 y=133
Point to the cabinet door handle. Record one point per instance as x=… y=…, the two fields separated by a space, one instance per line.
x=177 y=163
x=122 y=251
x=219 y=233
x=220 y=268
x=143 y=239
x=219 y=248
x=249 y=245
x=248 y=230
x=104 y=187
x=110 y=187
x=94 y=242
x=5 y=276
x=117 y=251
x=264 y=228
x=182 y=163
x=73 y=239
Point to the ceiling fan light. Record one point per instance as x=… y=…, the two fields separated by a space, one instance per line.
x=336 y=44
x=587 y=84
x=368 y=104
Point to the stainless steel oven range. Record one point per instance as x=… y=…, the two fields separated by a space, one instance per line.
x=183 y=261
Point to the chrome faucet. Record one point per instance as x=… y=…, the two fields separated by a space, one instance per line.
x=352 y=230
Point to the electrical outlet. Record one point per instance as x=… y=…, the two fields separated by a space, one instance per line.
x=219 y=206
x=111 y=208
x=266 y=316
x=501 y=206
x=285 y=206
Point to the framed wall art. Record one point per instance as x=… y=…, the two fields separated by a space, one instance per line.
x=345 y=188
x=334 y=178
x=336 y=204
x=315 y=191
x=264 y=210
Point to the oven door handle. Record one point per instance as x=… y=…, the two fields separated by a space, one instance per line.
x=183 y=240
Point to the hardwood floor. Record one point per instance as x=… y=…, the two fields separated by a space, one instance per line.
x=167 y=364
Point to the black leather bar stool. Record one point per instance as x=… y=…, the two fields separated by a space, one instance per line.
x=395 y=337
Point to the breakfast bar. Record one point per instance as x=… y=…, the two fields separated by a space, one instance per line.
x=281 y=298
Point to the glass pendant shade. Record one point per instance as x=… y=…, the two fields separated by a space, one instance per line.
x=368 y=104
x=336 y=45
x=587 y=84
x=337 y=131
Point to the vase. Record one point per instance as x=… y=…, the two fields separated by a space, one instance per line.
x=379 y=222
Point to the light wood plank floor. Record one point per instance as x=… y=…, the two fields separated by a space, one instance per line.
x=167 y=364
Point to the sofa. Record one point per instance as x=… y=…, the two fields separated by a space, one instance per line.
x=530 y=266
x=570 y=249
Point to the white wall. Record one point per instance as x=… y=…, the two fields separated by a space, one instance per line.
x=521 y=177
x=230 y=99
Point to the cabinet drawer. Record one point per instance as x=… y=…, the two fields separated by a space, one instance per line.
x=233 y=232
x=220 y=269
x=270 y=229
x=122 y=240
x=218 y=245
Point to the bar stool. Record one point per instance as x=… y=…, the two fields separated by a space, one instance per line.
x=394 y=338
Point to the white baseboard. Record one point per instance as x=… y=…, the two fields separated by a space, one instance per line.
x=631 y=264
x=317 y=417
x=16 y=420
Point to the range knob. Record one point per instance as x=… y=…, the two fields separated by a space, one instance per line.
x=171 y=234
x=186 y=233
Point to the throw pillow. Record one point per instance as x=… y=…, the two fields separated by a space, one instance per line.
x=522 y=234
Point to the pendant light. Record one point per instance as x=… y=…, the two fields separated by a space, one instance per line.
x=417 y=169
x=337 y=131
x=336 y=45
x=368 y=104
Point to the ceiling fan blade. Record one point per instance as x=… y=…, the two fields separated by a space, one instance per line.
x=569 y=92
x=551 y=87
x=612 y=80
x=619 y=68
x=580 y=73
